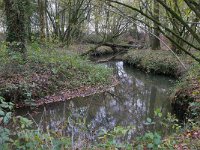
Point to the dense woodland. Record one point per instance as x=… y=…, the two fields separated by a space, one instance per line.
x=44 y=50
x=104 y=21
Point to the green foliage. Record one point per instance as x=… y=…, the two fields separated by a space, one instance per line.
x=5 y=108
x=4 y=137
x=173 y=138
x=36 y=139
x=117 y=138
x=150 y=140
x=5 y=116
x=28 y=137
x=195 y=109
x=24 y=137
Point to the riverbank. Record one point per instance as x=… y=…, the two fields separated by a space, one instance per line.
x=185 y=96
x=45 y=73
x=74 y=63
x=151 y=61
x=157 y=62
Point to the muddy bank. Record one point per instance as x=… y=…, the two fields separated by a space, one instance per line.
x=69 y=94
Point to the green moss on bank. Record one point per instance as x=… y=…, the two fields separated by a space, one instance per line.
x=158 y=61
x=46 y=72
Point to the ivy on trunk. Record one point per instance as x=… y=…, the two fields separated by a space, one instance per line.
x=15 y=21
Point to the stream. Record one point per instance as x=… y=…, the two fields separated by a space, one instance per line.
x=128 y=104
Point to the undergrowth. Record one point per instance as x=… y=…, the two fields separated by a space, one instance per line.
x=46 y=72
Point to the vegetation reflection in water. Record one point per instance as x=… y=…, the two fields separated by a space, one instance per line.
x=128 y=104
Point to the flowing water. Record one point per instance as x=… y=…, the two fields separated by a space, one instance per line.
x=128 y=104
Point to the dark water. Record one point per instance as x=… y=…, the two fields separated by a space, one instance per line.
x=128 y=104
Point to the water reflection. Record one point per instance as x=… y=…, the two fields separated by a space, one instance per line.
x=128 y=104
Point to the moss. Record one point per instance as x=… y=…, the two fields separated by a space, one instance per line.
x=159 y=62
x=102 y=50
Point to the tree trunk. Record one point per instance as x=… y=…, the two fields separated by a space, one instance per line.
x=155 y=41
x=29 y=29
x=15 y=21
x=63 y=16
x=46 y=18
x=41 y=8
x=96 y=20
